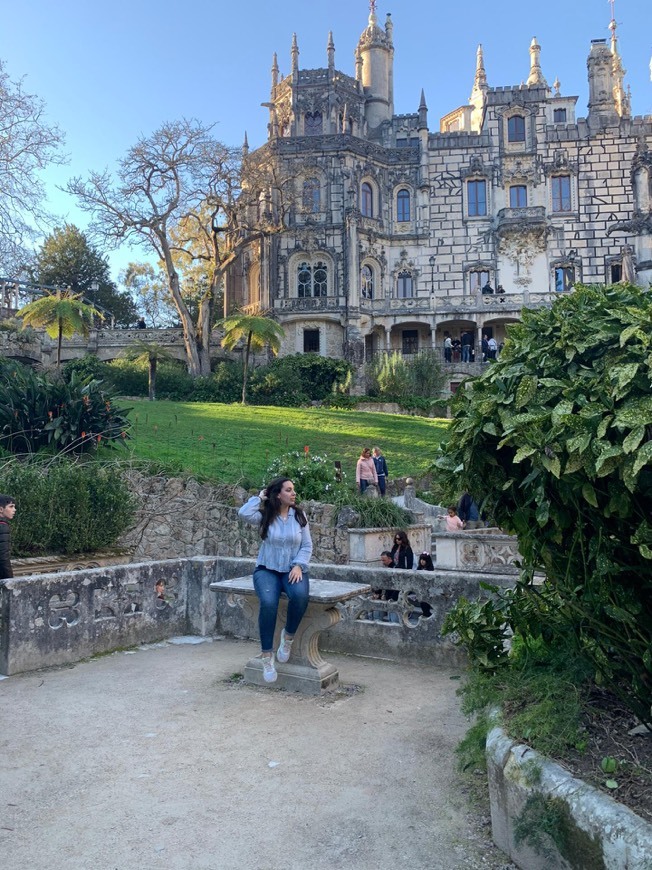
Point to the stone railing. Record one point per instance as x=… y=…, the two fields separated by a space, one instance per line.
x=484 y=550
x=317 y=303
x=56 y=619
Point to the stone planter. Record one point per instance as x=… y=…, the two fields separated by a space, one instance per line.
x=366 y=545
x=592 y=830
x=485 y=550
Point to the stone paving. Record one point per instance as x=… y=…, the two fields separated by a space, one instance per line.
x=160 y=758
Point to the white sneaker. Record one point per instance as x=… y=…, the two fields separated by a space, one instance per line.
x=269 y=671
x=284 y=648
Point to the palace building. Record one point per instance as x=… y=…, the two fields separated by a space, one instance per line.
x=394 y=235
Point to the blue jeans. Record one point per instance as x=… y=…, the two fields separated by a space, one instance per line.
x=466 y=353
x=269 y=585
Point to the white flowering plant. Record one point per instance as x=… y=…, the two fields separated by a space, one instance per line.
x=315 y=476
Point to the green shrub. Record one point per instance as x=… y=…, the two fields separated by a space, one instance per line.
x=88 y=367
x=66 y=507
x=412 y=381
x=129 y=378
x=224 y=385
x=375 y=513
x=281 y=387
x=559 y=430
x=173 y=382
x=39 y=412
x=315 y=477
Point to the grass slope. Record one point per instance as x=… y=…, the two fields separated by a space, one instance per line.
x=233 y=444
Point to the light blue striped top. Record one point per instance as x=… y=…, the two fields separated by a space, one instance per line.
x=286 y=544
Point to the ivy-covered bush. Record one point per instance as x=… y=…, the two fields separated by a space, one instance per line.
x=41 y=412
x=559 y=432
x=66 y=507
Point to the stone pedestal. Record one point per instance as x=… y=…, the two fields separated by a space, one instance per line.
x=306 y=671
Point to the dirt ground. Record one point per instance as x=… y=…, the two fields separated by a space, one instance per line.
x=161 y=759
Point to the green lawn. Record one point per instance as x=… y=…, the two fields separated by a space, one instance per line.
x=233 y=444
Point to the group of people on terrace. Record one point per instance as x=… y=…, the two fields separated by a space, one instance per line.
x=463 y=349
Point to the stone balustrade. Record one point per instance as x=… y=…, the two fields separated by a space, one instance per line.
x=56 y=619
x=485 y=550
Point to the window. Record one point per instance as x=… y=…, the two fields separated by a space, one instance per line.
x=367 y=200
x=564 y=278
x=477 y=280
x=516 y=128
x=404 y=289
x=403 y=205
x=312 y=279
x=616 y=273
x=367 y=282
x=561 y=193
x=559 y=116
x=410 y=341
x=311 y=341
x=477 y=198
x=311 y=195
x=518 y=196
x=313 y=124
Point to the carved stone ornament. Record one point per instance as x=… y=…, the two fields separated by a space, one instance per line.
x=519 y=168
x=561 y=163
x=523 y=248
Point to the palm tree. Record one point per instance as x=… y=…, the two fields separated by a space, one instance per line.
x=257 y=331
x=61 y=314
x=151 y=353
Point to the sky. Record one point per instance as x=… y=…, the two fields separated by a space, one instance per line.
x=112 y=72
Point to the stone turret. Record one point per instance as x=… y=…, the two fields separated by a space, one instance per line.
x=375 y=62
x=621 y=96
x=479 y=93
x=536 y=78
x=602 y=107
x=330 y=53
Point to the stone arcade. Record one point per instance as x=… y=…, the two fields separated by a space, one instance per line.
x=391 y=230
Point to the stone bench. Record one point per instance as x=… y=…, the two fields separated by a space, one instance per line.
x=306 y=671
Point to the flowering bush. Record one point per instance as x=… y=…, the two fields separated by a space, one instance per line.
x=315 y=477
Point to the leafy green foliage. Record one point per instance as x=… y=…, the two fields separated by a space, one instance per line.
x=397 y=378
x=375 y=513
x=37 y=412
x=254 y=331
x=67 y=259
x=315 y=477
x=66 y=507
x=61 y=314
x=559 y=431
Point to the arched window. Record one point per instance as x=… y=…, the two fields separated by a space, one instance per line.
x=366 y=200
x=403 y=205
x=367 y=282
x=404 y=286
x=312 y=279
x=516 y=128
x=313 y=124
x=311 y=195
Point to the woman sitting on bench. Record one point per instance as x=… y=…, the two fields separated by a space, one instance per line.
x=282 y=565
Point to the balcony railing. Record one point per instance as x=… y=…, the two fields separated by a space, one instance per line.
x=515 y=219
x=319 y=303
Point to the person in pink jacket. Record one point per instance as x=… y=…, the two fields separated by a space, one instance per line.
x=365 y=470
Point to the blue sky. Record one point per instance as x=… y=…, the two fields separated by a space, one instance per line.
x=109 y=72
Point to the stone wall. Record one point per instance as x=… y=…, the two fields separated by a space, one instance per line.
x=55 y=619
x=179 y=517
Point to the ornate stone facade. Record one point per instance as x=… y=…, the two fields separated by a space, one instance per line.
x=389 y=230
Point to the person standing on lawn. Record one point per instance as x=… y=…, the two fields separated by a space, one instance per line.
x=381 y=469
x=365 y=470
x=281 y=566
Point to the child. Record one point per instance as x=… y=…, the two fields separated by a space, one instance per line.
x=7 y=512
x=425 y=563
x=453 y=522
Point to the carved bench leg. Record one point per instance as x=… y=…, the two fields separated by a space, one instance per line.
x=306 y=670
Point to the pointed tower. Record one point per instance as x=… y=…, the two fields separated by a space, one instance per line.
x=376 y=64
x=330 y=52
x=602 y=108
x=294 y=57
x=536 y=78
x=621 y=97
x=478 y=96
x=245 y=145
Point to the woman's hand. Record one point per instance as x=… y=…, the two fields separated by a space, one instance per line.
x=296 y=574
x=262 y=495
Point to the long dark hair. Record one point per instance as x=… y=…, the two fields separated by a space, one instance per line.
x=403 y=538
x=271 y=507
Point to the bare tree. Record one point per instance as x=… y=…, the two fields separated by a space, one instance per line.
x=27 y=146
x=194 y=202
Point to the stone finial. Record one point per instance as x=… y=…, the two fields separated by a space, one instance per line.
x=245 y=145
x=358 y=64
x=480 y=82
x=389 y=27
x=274 y=73
x=294 y=54
x=423 y=112
x=557 y=85
x=621 y=97
x=536 y=77
x=330 y=51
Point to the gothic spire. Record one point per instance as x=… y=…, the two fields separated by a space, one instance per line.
x=330 y=51
x=480 y=82
x=245 y=145
x=621 y=97
x=274 y=73
x=536 y=77
x=294 y=53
